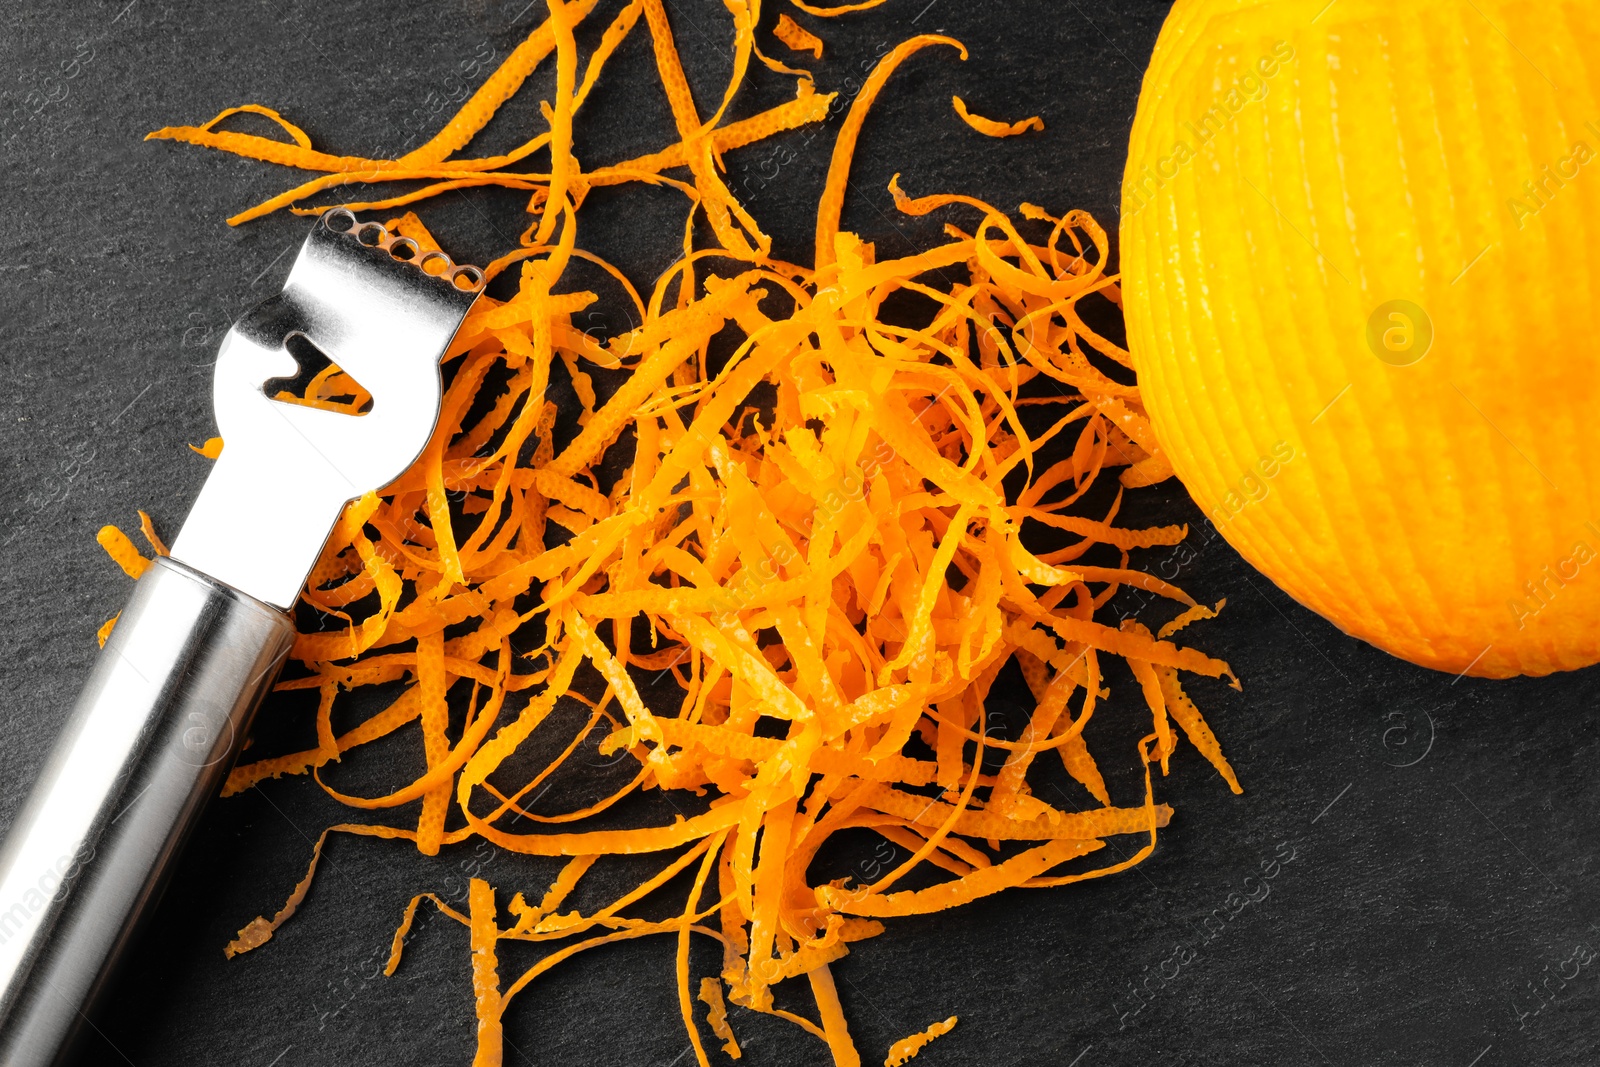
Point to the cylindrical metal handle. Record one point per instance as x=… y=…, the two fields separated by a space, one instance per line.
x=154 y=732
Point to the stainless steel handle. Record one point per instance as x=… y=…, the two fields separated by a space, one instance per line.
x=154 y=732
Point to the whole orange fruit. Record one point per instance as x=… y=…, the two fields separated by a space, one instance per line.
x=1361 y=248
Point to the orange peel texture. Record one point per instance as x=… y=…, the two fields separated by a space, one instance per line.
x=1357 y=244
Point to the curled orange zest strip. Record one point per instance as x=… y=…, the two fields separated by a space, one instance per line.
x=797 y=37
x=992 y=128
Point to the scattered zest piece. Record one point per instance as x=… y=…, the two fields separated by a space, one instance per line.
x=211 y=449
x=907 y=1048
x=147 y=527
x=106 y=628
x=797 y=37
x=259 y=931
x=121 y=550
x=992 y=128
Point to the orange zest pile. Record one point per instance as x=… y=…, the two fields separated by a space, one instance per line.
x=819 y=540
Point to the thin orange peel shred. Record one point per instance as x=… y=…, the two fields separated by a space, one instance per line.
x=906 y=1049
x=717 y=1016
x=992 y=127
x=122 y=550
x=837 y=10
x=796 y=37
x=817 y=543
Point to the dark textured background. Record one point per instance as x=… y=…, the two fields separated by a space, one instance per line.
x=1425 y=903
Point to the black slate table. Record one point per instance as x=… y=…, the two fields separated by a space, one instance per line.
x=1433 y=840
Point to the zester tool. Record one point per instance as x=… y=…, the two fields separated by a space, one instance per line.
x=170 y=699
